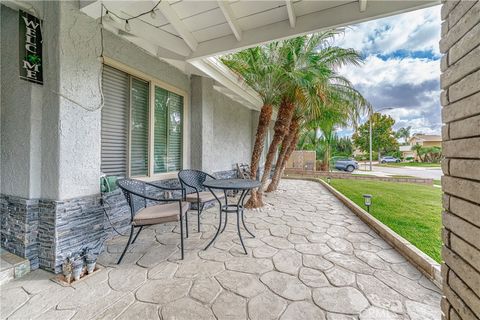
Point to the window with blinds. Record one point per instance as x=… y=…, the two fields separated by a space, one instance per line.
x=175 y=132
x=128 y=119
x=168 y=134
x=114 y=130
x=139 y=105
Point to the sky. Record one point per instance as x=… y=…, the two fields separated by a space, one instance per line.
x=401 y=69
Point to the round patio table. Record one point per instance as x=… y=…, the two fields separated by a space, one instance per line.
x=241 y=185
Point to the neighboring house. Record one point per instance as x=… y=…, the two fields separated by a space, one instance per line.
x=407 y=151
x=425 y=140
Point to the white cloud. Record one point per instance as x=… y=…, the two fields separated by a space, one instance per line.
x=418 y=31
x=394 y=71
x=401 y=68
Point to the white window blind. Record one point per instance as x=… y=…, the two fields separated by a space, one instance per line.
x=168 y=134
x=114 y=133
x=139 y=128
x=161 y=130
x=175 y=132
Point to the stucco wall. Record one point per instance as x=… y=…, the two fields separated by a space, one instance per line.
x=20 y=116
x=232 y=133
x=50 y=142
x=221 y=128
x=127 y=53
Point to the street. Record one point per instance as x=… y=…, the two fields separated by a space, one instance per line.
x=426 y=173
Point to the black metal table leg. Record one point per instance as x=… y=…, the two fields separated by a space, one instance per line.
x=243 y=219
x=240 y=212
x=239 y=233
x=226 y=221
x=219 y=223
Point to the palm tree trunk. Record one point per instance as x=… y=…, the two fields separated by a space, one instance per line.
x=326 y=157
x=291 y=148
x=262 y=128
x=284 y=117
x=281 y=162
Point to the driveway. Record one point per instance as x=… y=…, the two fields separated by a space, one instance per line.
x=312 y=258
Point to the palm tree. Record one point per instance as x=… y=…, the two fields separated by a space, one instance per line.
x=309 y=62
x=339 y=105
x=258 y=68
x=404 y=133
x=418 y=150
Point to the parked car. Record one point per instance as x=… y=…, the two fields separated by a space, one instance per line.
x=389 y=159
x=346 y=164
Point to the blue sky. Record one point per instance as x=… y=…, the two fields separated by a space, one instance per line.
x=401 y=68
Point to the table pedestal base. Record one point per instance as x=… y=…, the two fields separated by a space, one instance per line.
x=230 y=208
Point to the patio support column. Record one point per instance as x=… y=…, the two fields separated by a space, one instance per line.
x=202 y=123
x=460 y=99
x=50 y=137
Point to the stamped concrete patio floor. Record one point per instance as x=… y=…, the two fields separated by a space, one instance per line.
x=311 y=259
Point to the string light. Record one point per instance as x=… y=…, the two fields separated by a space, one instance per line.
x=108 y=16
x=116 y=18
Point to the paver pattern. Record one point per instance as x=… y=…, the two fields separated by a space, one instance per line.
x=312 y=258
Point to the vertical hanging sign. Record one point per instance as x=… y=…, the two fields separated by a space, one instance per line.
x=30 y=54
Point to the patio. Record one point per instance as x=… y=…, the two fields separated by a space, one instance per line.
x=311 y=259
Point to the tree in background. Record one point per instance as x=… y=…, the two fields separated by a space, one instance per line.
x=428 y=154
x=339 y=105
x=313 y=140
x=404 y=133
x=343 y=147
x=383 y=136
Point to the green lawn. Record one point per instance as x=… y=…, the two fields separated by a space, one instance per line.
x=411 y=164
x=411 y=210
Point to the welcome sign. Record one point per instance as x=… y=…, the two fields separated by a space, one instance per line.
x=30 y=54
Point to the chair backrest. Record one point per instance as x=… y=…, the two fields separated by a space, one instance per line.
x=192 y=178
x=133 y=190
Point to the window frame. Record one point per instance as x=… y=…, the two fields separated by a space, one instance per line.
x=154 y=82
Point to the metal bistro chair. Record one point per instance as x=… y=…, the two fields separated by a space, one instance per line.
x=194 y=191
x=135 y=192
x=243 y=171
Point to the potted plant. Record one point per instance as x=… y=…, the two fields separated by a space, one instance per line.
x=91 y=261
x=67 y=269
x=77 y=266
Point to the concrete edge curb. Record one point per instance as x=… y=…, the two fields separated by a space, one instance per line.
x=344 y=175
x=420 y=260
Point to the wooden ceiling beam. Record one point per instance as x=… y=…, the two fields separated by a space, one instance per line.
x=291 y=13
x=232 y=22
x=363 y=5
x=178 y=24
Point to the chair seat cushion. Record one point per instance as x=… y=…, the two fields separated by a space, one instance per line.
x=204 y=196
x=161 y=213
